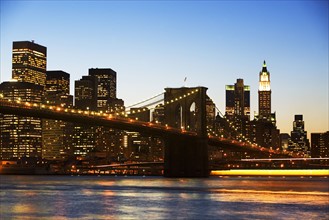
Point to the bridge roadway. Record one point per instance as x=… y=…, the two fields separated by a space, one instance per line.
x=111 y=121
x=186 y=152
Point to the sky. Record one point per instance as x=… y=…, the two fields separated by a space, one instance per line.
x=153 y=45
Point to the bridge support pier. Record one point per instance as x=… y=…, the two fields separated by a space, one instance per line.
x=186 y=157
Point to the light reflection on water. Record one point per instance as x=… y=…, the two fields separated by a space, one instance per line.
x=91 y=197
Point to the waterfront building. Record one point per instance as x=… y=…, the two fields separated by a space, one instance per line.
x=299 y=136
x=21 y=137
x=97 y=92
x=29 y=62
x=320 y=146
x=56 y=134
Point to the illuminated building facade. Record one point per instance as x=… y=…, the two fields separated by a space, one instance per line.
x=97 y=92
x=56 y=138
x=320 y=146
x=264 y=93
x=265 y=132
x=105 y=87
x=21 y=137
x=29 y=62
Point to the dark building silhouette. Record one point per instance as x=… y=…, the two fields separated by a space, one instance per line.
x=158 y=114
x=299 y=136
x=320 y=146
x=238 y=99
x=238 y=110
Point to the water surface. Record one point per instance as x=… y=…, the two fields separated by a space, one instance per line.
x=109 y=197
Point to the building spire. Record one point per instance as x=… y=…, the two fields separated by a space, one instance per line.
x=264 y=69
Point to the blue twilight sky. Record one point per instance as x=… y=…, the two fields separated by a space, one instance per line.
x=153 y=45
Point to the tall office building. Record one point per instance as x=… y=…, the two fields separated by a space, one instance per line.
x=299 y=135
x=97 y=92
x=21 y=137
x=320 y=146
x=238 y=99
x=238 y=109
x=265 y=132
x=106 y=87
x=264 y=94
x=56 y=138
x=29 y=62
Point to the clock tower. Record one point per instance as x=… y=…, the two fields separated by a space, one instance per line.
x=264 y=94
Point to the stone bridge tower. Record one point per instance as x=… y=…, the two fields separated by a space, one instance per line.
x=186 y=156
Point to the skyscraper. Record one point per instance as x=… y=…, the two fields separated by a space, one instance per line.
x=238 y=109
x=238 y=99
x=266 y=133
x=29 y=62
x=55 y=133
x=20 y=136
x=264 y=94
x=320 y=146
x=96 y=92
x=106 y=87
x=299 y=135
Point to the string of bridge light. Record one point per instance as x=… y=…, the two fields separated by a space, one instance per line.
x=164 y=104
x=103 y=113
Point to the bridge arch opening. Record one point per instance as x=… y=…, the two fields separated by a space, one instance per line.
x=191 y=117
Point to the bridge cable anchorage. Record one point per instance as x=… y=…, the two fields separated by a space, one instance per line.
x=145 y=100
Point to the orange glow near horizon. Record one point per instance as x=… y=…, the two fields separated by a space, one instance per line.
x=238 y=172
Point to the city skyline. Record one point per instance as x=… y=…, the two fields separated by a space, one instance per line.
x=200 y=41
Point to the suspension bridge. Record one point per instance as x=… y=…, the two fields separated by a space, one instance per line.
x=184 y=129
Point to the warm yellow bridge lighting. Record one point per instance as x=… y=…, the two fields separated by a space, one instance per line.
x=252 y=172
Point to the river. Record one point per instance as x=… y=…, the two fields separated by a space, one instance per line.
x=110 y=197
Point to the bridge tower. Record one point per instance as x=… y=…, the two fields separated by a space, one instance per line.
x=185 y=156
